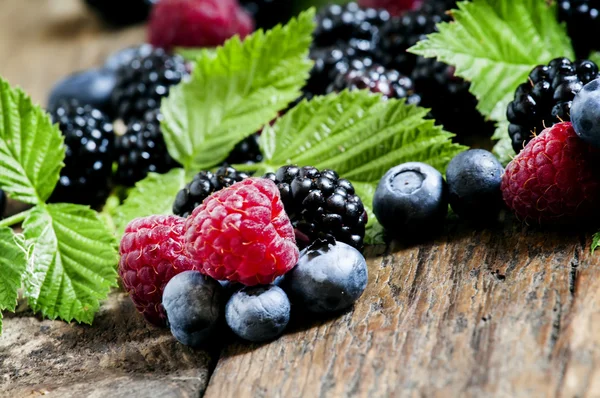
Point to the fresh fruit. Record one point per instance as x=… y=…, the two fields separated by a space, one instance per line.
x=242 y=234
x=449 y=98
x=583 y=24
x=197 y=23
x=116 y=13
x=194 y=305
x=124 y=57
x=585 y=113
x=202 y=186
x=268 y=13
x=387 y=82
x=329 y=277
x=545 y=98
x=142 y=150
x=320 y=203
x=258 y=313
x=411 y=198
x=394 y=7
x=246 y=151
x=554 y=179
x=143 y=83
x=89 y=142
x=92 y=87
x=474 y=179
x=152 y=252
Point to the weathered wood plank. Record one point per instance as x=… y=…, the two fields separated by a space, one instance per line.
x=507 y=312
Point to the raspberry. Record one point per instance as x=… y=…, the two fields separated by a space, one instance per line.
x=152 y=252
x=546 y=97
x=554 y=178
x=242 y=234
x=144 y=81
x=394 y=7
x=197 y=23
x=142 y=150
x=89 y=141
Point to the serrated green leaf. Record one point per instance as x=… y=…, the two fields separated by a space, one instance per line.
x=233 y=94
x=153 y=195
x=31 y=148
x=503 y=148
x=12 y=268
x=494 y=44
x=72 y=264
x=595 y=241
x=192 y=53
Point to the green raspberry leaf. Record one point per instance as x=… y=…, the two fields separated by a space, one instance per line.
x=357 y=134
x=72 y=264
x=31 y=148
x=12 y=268
x=237 y=91
x=153 y=195
x=595 y=241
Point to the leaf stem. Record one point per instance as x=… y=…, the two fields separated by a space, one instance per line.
x=15 y=219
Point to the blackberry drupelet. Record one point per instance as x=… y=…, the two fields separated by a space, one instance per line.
x=202 y=186
x=320 y=204
x=143 y=83
x=116 y=13
x=449 y=98
x=268 y=13
x=89 y=142
x=246 y=151
x=583 y=24
x=141 y=150
x=400 y=33
x=390 y=83
x=545 y=99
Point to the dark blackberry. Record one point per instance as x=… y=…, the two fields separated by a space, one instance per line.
x=246 y=151
x=449 y=98
x=268 y=13
x=400 y=33
x=115 y=13
x=321 y=204
x=89 y=142
x=546 y=98
x=142 y=150
x=583 y=24
x=377 y=79
x=202 y=186
x=143 y=83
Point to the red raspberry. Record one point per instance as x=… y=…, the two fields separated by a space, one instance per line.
x=394 y=7
x=554 y=179
x=197 y=23
x=152 y=252
x=243 y=234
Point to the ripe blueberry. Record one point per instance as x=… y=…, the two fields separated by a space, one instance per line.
x=585 y=113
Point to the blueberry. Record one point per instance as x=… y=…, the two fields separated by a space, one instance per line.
x=91 y=87
x=126 y=55
x=193 y=303
x=474 y=179
x=585 y=113
x=411 y=198
x=258 y=313
x=329 y=277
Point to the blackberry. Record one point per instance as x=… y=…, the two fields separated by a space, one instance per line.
x=400 y=33
x=246 y=151
x=143 y=82
x=583 y=23
x=202 y=186
x=268 y=13
x=321 y=204
x=141 y=150
x=377 y=79
x=115 y=13
x=89 y=142
x=546 y=98
x=449 y=98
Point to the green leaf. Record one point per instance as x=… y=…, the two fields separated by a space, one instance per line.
x=12 y=268
x=31 y=148
x=233 y=94
x=595 y=241
x=595 y=57
x=357 y=134
x=494 y=44
x=153 y=195
x=192 y=53
x=503 y=148
x=72 y=264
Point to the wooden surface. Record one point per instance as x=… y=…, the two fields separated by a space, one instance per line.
x=507 y=311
